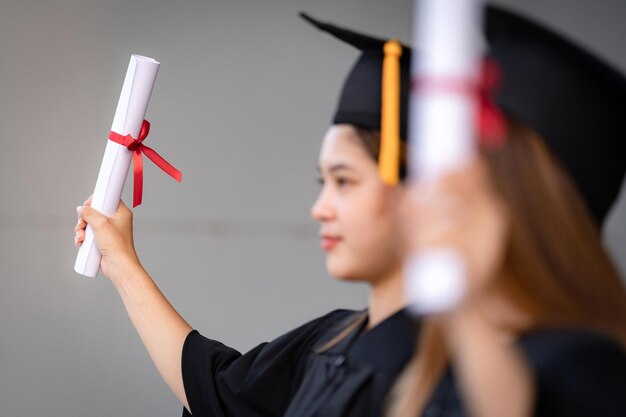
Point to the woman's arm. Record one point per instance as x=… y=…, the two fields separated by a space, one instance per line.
x=160 y=327
x=463 y=211
x=492 y=374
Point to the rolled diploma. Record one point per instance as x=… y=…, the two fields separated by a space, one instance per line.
x=442 y=130
x=129 y=116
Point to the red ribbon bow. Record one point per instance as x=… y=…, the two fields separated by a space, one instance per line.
x=137 y=147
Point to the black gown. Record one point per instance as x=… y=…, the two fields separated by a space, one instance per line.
x=287 y=377
x=578 y=374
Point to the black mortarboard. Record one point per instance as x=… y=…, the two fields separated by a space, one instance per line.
x=572 y=99
x=360 y=101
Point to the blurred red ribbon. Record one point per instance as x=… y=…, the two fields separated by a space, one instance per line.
x=490 y=121
x=137 y=147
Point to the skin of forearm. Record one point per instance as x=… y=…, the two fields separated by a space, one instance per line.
x=161 y=329
x=491 y=372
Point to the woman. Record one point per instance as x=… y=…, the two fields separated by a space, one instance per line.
x=339 y=364
x=542 y=330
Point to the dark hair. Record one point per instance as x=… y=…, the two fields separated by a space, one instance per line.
x=350 y=324
x=371 y=141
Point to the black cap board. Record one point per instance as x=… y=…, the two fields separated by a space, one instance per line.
x=360 y=99
x=576 y=102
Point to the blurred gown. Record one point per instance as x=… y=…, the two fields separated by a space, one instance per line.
x=288 y=377
x=578 y=374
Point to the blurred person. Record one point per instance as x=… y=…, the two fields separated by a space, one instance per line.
x=542 y=328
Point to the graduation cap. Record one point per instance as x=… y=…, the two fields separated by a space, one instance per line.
x=571 y=98
x=576 y=102
x=375 y=94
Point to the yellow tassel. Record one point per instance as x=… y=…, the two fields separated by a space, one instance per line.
x=388 y=159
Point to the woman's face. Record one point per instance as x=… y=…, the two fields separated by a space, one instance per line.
x=359 y=225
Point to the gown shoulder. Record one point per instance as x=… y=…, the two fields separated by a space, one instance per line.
x=220 y=381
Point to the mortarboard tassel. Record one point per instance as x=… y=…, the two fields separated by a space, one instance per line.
x=388 y=160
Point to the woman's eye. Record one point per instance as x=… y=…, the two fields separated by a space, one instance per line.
x=342 y=182
x=320 y=181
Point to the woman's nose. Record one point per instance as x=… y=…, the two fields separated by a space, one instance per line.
x=322 y=209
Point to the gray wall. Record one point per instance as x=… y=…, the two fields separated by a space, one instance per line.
x=242 y=99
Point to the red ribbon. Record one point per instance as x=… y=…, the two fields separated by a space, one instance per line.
x=491 y=121
x=491 y=124
x=137 y=147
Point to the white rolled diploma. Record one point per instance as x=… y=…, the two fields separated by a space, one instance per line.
x=129 y=116
x=442 y=131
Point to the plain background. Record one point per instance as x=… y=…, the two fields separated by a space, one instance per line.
x=242 y=99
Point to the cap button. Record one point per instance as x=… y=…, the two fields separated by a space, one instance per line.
x=392 y=47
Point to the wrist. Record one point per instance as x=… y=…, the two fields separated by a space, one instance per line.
x=469 y=328
x=125 y=269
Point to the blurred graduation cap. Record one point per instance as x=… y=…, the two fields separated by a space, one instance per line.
x=576 y=102
x=375 y=94
x=572 y=99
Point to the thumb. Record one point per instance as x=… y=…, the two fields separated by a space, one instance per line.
x=123 y=214
x=121 y=208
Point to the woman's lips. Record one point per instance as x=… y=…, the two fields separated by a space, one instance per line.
x=329 y=242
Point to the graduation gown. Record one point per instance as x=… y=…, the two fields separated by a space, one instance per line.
x=578 y=374
x=288 y=377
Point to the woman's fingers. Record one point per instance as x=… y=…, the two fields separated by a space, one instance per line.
x=79 y=228
x=92 y=216
x=79 y=232
x=436 y=216
x=461 y=210
x=79 y=238
x=86 y=214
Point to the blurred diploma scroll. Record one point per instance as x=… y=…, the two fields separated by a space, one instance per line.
x=129 y=116
x=441 y=131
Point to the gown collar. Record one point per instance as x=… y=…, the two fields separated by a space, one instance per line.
x=388 y=346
